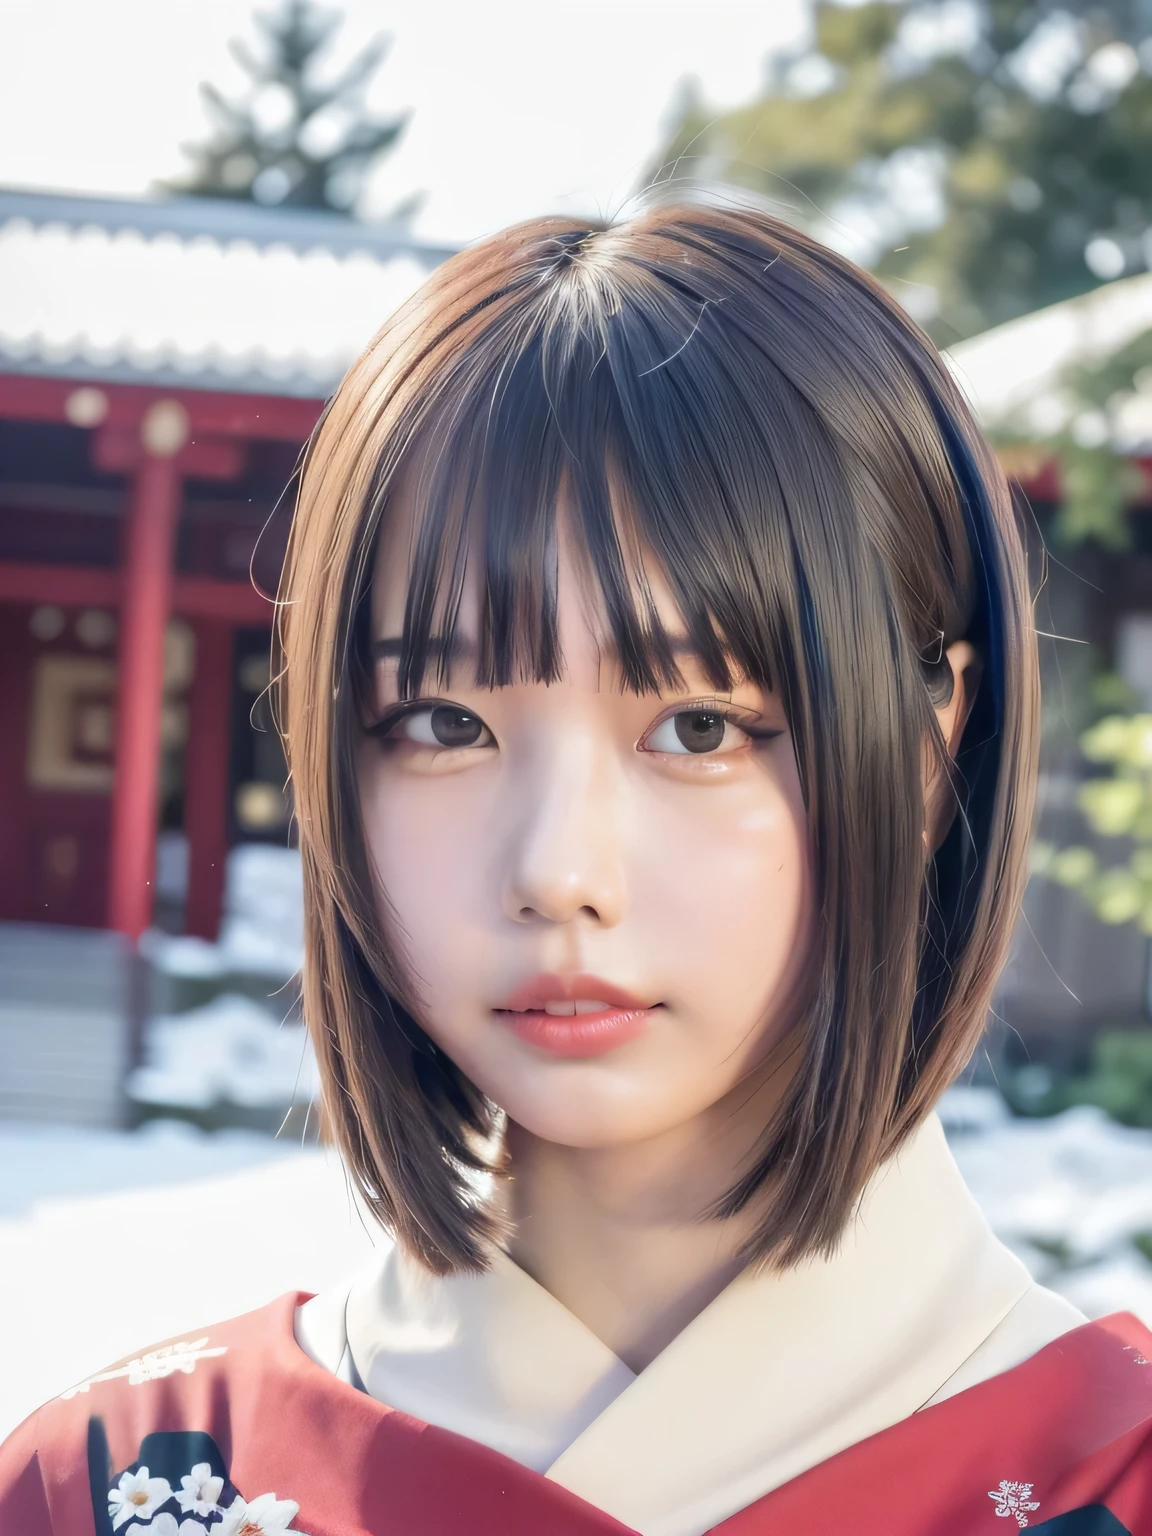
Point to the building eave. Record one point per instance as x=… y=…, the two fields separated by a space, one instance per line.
x=167 y=376
x=221 y=219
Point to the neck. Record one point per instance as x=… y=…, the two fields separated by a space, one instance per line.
x=620 y=1234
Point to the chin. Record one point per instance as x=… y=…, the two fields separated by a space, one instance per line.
x=592 y=1114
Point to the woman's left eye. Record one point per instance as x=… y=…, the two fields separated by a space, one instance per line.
x=698 y=731
x=442 y=725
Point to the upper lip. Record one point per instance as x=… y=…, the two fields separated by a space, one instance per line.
x=538 y=991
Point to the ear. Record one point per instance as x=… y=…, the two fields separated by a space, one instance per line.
x=952 y=717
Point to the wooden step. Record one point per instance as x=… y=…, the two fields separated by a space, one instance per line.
x=62 y=1064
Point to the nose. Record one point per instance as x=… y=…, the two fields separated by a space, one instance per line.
x=564 y=858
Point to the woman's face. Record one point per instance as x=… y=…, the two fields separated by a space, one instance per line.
x=603 y=900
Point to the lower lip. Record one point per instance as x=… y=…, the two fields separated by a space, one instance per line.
x=581 y=1034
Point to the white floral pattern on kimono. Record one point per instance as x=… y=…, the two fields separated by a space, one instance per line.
x=137 y=1494
x=200 y=1492
x=265 y=1516
x=1015 y=1499
x=165 y=1525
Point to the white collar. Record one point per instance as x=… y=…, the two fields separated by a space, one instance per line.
x=495 y=1356
x=781 y=1371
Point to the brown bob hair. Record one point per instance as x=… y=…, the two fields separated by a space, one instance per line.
x=772 y=431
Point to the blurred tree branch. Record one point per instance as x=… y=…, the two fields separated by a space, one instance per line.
x=295 y=138
x=984 y=157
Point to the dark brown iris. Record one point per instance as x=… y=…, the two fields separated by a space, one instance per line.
x=455 y=727
x=700 y=730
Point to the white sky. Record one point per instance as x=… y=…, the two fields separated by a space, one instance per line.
x=520 y=107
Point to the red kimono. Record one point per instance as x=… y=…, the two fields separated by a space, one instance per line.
x=241 y=1434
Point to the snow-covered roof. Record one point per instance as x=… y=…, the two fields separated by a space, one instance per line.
x=194 y=291
x=1012 y=374
x=213 y=294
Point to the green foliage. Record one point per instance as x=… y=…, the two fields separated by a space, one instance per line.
x=1120 y=1078
x=988 y=182
x=1118 y=803
x=296 y=137
x=1118 y=1081
x=1098 y=482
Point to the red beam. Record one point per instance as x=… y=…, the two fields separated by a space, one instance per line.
x=75 y=586
x=281 y=418
x=117 y=450
x=71 y=586
x=145 y=600
x=206 y=777
x=234 y=602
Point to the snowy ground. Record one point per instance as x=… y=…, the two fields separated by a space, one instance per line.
x=112 y=1241
x=1072 y=1195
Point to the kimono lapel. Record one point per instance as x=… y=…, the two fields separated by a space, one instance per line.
x=359 y=1468
x=1060 y=1445
x=784 y=1370
x=494 y=1357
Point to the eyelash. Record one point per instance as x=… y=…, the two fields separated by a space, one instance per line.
x=741 y=719
x=383 y=728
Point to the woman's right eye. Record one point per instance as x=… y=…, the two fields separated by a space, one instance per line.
x=441 y=725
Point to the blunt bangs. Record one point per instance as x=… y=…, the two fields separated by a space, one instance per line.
x=585 y=425
x=708 y=398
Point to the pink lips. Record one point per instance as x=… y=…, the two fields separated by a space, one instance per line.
x=622 y=1018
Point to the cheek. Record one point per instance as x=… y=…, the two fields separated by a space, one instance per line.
x=726 y=878
x=426 y=840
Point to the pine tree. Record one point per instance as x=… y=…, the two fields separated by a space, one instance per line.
x=295 y=137
x=985 y=158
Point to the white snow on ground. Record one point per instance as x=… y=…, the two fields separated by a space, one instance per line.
x=231 y=1049
x=42 y=1163
x=262 y=930
x=187 y=1229
x=1069 y=1194
x=110 y=1242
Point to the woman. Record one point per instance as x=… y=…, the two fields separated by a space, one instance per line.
x=660 y=698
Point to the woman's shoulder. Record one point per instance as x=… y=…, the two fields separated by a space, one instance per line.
x=157 y=1414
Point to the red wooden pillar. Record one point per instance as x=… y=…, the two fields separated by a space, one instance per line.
x=206 y=776
x=146 y=595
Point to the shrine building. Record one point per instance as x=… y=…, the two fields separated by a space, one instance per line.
x=161 y=366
